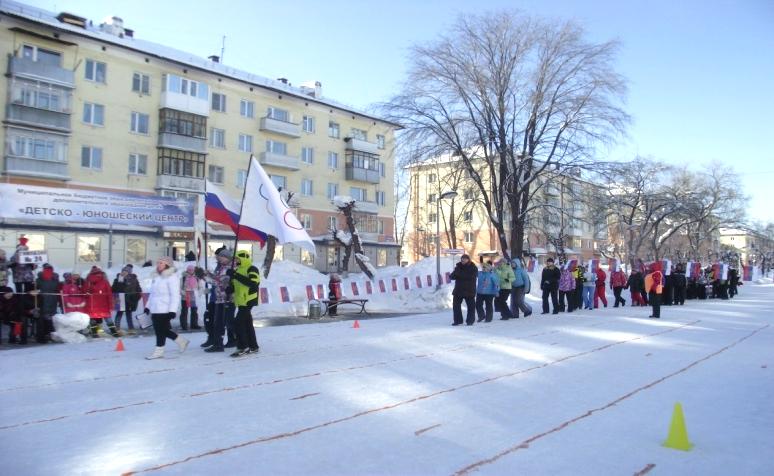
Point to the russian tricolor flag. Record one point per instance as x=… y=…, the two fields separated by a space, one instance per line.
x=220 y=208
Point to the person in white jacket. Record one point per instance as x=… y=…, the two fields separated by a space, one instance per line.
x=163 y=304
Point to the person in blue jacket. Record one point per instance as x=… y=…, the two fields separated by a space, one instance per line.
x=487 y=288
x=520 y=287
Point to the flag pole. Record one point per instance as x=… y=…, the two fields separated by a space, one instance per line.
x=241 y=207
x=206 y=269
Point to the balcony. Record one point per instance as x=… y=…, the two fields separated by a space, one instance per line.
x=361 y=145
x=185 y=103
x=26 y=115
x=25 y=67
x=180 y=142
x=276 y=126
x=361 y=174
x=372 y=208
x=279 y=160
x=29 y=167
x=189 y=184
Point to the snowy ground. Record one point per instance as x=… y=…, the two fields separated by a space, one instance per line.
x=587 y=393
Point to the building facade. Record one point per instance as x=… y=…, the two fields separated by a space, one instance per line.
x=560 y=213
x=95 y=108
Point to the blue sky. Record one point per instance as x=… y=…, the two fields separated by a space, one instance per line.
x=701 y=72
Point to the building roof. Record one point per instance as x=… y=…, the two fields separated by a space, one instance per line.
x=46 y=18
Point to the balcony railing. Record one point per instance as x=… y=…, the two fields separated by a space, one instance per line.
x=362 y=174
x=192 y=184
x=279 y=160
x=184 y=102
x=181 y=142
x=38 y=117
x=367 y=207
x=276 y=126
x=361 y=145
x=15 y=165
x=25 y=67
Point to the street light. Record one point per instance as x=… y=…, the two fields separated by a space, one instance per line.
x=445 y=195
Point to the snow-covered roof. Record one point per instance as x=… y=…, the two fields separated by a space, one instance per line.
x=44 y=17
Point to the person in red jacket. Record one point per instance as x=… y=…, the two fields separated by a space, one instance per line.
x=99 y=301
x=599 y=292
x=73 y=298
x=618 y=281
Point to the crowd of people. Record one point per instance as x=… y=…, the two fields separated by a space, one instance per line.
x=231 y=291
x=572 y=287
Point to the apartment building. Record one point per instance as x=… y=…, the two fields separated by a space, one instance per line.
x=560 y=212
x=95 y=108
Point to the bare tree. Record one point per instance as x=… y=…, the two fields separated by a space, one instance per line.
x=513 y=99
x=352 y=241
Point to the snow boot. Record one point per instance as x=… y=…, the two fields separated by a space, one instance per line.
x=240 y=352
x=158 y=353
x=182 y=343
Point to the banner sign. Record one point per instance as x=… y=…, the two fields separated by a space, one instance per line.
x=87 y=206
x=32 y=257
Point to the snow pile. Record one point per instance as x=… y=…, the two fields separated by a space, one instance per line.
x=68 y=326
x=764 y=281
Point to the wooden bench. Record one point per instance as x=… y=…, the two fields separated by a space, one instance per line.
x=335 y=304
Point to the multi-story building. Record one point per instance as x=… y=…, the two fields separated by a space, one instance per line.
x=95 y=108
x=562 y=214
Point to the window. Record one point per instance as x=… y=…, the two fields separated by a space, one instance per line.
x=278 y=114
x=468 y=237
x=139 y=123
x=334 y=130
x=135 y=250
x=468 y=194
x=308 y=124
x=306 y=187
x=382 y=169
x=431 y=178
x=141 y=83
x=177 y=84
x=432 y=198
x=180 y=163
x=307 y=258
x=279 y=181
x=381 y=257
x=41 y=56
x=183 y=123
x=333 y=190
x=380 y=227
x=215 y=174
x=275 y=147
x=380 y=198
x=245 y=143
x=358 y=193
x=307 y=155
x=217 y=138
x=37 y=146
x=332 y=224
x=89 y=249
x=359 y=134
x=432 y=217
x=467 y=216
x=40 y=95
x=241 y=178
x=94 y=114
x=333 y=160
x=218 y=102
x=306 y=221
x=95 y=71
x=362 y=160
x=91 y=157
x=379 y=141
x=138 y=164
x=246 y=108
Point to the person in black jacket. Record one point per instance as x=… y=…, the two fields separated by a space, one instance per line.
x=679 y=284
x=549 y=283
x=733 y=282
x=464 y=275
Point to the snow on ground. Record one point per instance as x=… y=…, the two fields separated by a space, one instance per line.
x=587 y=393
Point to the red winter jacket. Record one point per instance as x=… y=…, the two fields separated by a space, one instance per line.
x=618 y=279
x=601 y=277
x=73 y=299
x=99 y=302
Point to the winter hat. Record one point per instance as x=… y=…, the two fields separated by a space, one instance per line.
x=128 y=268
x=95 y=269
x=165 y=260
x=23 y=241
x=47 y=266
x=465 y=257
x=225 y=253
x=190 y=268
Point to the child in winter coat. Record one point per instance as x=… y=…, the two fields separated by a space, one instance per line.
x=9 y=312
x=589 y=285
x=99 y=301
x=73 y=297
x=191 y=287
x=126 y=283
x=163 y=303
x=519 y=288
x=599 y=292
x=505 y=274
x=334 y=293
x=617 y=284
x=23 y=274
x=487 y=288
x=48 y=287
x=566 y=290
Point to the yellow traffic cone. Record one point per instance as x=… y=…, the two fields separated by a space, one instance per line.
x=678 y=435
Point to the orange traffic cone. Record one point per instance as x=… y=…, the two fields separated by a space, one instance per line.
x=120 y=346
x=356 y=325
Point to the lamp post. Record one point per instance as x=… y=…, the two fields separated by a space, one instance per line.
x=445 y=195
